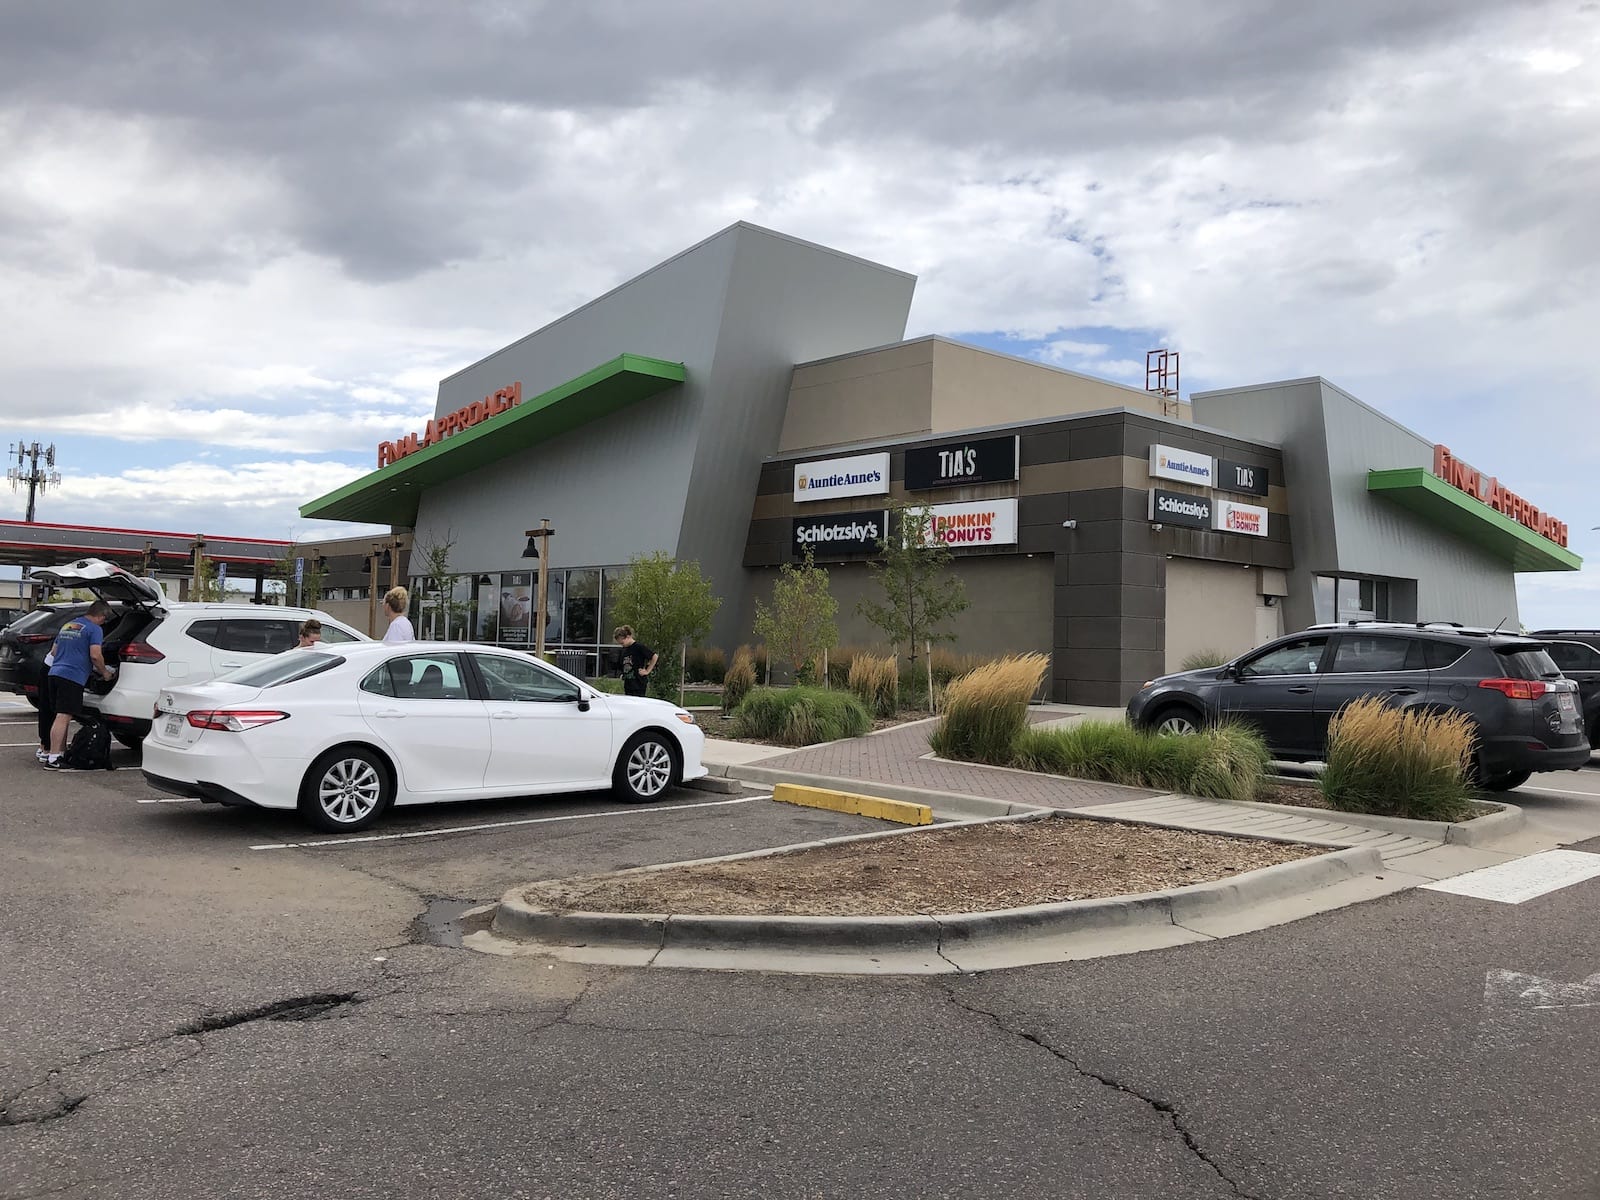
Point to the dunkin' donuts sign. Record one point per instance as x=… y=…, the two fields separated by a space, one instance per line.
x=981 y=523
x=440 y=428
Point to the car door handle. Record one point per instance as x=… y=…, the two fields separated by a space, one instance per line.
x=388 y=712
x=1401 y=692
x=230 y=665
x=1300 y=690
x=503 y=716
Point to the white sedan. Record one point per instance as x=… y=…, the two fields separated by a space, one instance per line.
x=343 y=732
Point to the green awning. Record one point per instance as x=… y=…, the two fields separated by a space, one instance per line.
x=1430 y=497
x=389 y=495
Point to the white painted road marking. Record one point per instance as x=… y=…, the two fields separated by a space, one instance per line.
x=34 y=743
x=1504 y=990
x=168 y=800
x=1523 y=878
x=420 y=833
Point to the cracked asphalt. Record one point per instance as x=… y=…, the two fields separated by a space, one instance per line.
x=183 y=1016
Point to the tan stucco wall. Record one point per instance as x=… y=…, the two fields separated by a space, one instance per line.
x=1212 y=606
x=1011 y=609
x=862 y=397
x=974 y=387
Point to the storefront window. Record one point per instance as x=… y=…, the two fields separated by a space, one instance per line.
x=486 y=609
x=555 y=624
x=458 y=611
x=610 y=653
x=583 y=607
x=1346 y=599
x=515 y=609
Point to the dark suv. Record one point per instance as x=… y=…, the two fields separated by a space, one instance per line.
x=1527 y=714
x=24 y=644
x=1580 y=662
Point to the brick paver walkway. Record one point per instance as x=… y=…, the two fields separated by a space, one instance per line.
x=898 y=756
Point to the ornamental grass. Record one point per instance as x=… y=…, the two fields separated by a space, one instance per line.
x=986 y=710
x=875 y=681
x=1399 y=763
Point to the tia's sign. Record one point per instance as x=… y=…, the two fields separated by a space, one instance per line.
x=440 y=428
x=1502 y=499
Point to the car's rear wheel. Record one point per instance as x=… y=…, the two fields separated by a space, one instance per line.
x=1177 y=720
x=1506 y=780
x=646 y=768
x=345 y=790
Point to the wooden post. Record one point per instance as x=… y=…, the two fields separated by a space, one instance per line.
x=825 y=667
x=194 y=576
x=372 y=595
x=683 y=672
x=927 y=649
x=544 y=564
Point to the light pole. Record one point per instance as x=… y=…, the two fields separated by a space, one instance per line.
x=542 y=534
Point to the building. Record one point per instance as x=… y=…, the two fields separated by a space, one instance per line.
x=754 y=398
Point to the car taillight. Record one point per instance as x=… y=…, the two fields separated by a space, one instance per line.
x=33 y=639
x=140 y=652
x=234 y=720
x=1517 y=689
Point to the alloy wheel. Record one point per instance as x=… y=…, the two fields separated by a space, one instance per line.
x=1178 y=725
x=350 y=789
x=649 y=768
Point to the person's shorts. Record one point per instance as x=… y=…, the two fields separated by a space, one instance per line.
x=634 y=687
x=66 y=696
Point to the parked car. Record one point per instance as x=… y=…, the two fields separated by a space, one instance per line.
x=343 y=733
x=1589 y=637
x=26 y=641
x=1580 y=662
x=155 y=642
x=1526 y=713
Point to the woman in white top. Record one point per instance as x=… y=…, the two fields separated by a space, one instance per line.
x=394 y=607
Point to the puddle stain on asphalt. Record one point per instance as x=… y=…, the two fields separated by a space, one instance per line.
x=445 y=921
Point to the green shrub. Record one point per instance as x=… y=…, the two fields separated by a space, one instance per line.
x=877 y=682
x=705 y=664
x=741 y=677
x=1228 y=762
x=608 y=685
x=986 y=710
x=1398 y=764
x=1202 y=659
x=800 y=716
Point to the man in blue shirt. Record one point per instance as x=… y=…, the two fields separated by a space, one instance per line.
x=77 y=656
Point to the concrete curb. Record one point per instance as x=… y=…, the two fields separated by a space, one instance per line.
x=927 y=935
x=944 y=804
x=1475 y=832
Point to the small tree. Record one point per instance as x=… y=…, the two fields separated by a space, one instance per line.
x=920 y=594
x=208 y=588
x=803 y=621
x=434 y=559
x=668 y=603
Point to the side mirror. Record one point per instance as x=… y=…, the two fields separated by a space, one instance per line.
x=583 y=702
x=1230 y=672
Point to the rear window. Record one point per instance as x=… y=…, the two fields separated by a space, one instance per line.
x=1575 y=656
x=38 y=621
x=1533 y=662
x=209 y=632
x=1438 y=655
x=283 y=668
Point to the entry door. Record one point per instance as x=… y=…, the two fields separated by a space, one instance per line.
x=1275 y=690
x=419 y=705
x=538 y=736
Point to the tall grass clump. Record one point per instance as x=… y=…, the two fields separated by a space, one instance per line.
x=1228 y=762
x=840 y=660
x=800 y=716
x=741 y=677
x=948 y=666
x=1201 y=659
x=986 y=710
x=1398 y=763
x=705 y=664
x=876 y=681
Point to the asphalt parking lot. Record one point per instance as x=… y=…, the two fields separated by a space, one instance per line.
x=201 y=1001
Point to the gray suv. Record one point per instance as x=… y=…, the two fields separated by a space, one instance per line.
x=1527 y=714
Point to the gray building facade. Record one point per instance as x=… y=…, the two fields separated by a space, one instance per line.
x=754 y=396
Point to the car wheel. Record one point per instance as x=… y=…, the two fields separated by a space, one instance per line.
x=646 y=768
x=345 y=790
x=1506 y=781
x=1178 y=722
x=129 y=739
x=33 y=700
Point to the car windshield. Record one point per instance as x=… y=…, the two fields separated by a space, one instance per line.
x=283 y=668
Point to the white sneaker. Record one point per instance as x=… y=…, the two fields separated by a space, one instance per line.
x=41 y=755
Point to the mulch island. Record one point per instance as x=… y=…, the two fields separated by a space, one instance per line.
x=973 y=868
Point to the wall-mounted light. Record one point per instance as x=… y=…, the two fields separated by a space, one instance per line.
x=1156 y=527
x=1069 y=524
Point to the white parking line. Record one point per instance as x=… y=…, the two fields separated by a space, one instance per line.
x=1523 y=878
x=167 y=800
x=420 y=833
x=34 y=743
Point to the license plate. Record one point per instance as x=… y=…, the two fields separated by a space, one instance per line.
x=174 y=723
x=1566 y=702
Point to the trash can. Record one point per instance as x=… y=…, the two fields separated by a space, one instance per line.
x=573 y=662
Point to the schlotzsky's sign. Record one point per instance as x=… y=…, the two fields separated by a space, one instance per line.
x=440 y=428
x=1502 y=499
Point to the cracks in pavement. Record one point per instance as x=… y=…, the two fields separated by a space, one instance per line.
x=1165 y=1108
x=313 y=1007
x=63 y=1107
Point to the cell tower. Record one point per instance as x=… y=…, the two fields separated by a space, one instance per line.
x=35 y=470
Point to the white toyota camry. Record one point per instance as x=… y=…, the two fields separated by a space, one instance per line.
x=343 y=732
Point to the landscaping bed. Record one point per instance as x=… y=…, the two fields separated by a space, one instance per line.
x=972 y=868
x=721 y=725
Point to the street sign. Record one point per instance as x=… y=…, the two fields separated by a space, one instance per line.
x=299 y=571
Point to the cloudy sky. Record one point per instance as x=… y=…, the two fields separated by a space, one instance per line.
x=241 y=243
